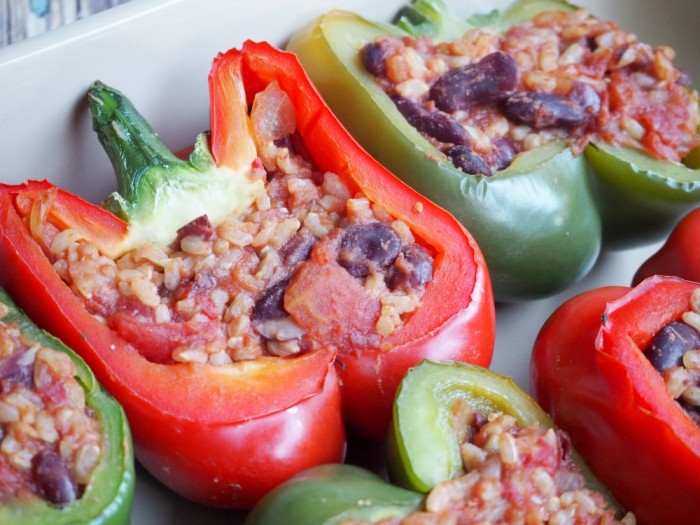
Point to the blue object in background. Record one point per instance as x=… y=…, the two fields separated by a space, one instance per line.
x=39 y=7
x=21 y=19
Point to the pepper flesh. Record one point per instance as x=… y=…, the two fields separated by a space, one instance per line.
x=634 y=197
x=108 y=497
x=589 y=372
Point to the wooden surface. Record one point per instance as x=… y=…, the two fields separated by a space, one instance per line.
x=21 y=19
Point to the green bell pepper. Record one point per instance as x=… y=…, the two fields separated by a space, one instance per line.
x=540 y=222
x=331 y=494
x=107 y=498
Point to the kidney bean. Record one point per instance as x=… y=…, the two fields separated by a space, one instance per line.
x=373 y=58
x=585 y=96
x=298 y=248
x=366 y=247
x=199 y=226
x=53 y=478
x=670 y=343
x=502 y=154
x=432 y=123
x=469 y=162
x=270 y=305
x=12 y=371
x=413 y=268
x=544 y=110
x=491 y=79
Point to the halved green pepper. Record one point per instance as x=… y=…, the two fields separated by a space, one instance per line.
x=107 y=498
x=541 y=221
x=422 y=446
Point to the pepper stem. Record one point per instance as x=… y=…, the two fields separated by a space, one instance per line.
x=132 y=146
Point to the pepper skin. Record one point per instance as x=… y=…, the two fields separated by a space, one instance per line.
x=540 y=222
x=108 y=498
x=331 y=494
x=588 y=371
x=679 y=255
x=229 y=440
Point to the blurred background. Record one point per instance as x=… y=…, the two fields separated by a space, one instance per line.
x=21 y=19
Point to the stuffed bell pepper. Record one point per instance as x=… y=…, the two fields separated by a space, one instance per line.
x=466 y=446
x=228 y=300
x=619 y=370
x=501 y=118
x=65 y=449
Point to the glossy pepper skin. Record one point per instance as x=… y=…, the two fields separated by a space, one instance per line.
x=541 y=222
x=588 y=371
x=108 y=498
x=331 y=494
x=679 y=255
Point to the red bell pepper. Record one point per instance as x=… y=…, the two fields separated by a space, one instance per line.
x=589 y=372
x=679 y=255
x=226 y=435
x=456 y=319
x=219 y=436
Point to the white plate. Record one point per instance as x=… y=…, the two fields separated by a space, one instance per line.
x=158 y=52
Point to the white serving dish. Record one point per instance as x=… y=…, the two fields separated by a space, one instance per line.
x=158 y=52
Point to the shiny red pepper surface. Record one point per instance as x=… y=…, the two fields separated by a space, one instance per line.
x=589 y=372
x=679 y=255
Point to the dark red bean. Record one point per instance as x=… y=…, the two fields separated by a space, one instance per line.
x=502 y=154
x=53 y=478
x=368 y=247
x=586 y=97
x=412 y=268
x=489 y=80
x=270 y=305
x=432 y=123
x=544 y=110
x=468 y=161
x=199 y=226
x=373 y=58
x=12 y=371
x=298 y=248
x=670 y=343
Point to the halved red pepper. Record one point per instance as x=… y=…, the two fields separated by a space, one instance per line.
x=679 y=255
x=456 y=319
x=226 y=435
x=217 y=435
x=589 y=372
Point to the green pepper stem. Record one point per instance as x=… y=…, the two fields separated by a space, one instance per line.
x=132 y=146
